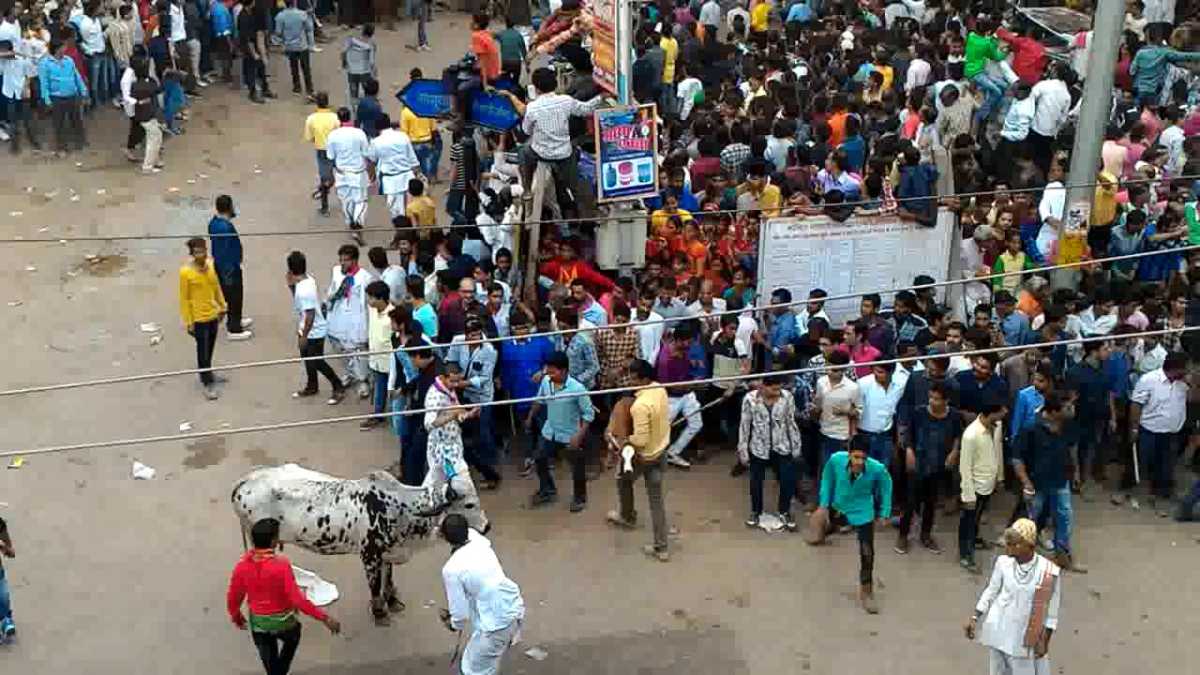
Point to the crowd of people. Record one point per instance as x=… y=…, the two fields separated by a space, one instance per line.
x=830 y=110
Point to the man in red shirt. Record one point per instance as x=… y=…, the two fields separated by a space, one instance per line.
x=566 y=267
x=265 y=581
x=1029 y=55
x=487 y=64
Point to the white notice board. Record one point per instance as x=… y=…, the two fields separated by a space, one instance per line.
x=864 y=254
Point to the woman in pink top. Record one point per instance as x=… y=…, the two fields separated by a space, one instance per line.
x=858 y=349
x=1137 y=145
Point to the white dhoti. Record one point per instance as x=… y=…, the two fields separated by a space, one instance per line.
x=485 y=650
x=1000 y=663
x=351 y=187
x=356 y=366
x=394 y=189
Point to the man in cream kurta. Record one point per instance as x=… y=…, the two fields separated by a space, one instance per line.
x=395 y=164
x=347 y=148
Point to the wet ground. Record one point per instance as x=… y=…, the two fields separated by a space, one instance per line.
x=123 y=576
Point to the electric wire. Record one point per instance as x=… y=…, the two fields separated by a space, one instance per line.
x=188 y=436
x=632 y=324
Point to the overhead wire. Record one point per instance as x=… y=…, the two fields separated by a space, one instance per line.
x=632 y=324
x=595 y=219
x=297 y=424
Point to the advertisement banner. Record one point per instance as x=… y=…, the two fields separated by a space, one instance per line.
x=425 y=98
x=627 y=153
x=604 y=45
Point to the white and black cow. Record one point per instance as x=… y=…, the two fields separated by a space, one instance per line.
x=374 y=517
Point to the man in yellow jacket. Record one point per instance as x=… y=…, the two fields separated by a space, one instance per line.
x=648 y=432
x=202 y=306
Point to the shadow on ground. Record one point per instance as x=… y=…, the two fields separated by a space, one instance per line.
x=712 y=652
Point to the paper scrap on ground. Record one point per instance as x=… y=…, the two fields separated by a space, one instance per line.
x=318 y=591
x=16 y=214
x=15 y=303
x=151 y=327
x=16 y=463
x=30 y=268
x=537 y=653
x=770 y=522
x=185 y=426
x=143 y=472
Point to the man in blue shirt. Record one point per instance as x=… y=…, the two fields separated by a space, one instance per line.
x=1045 y=461
x=1014 y=326
x=226 y=249
x=63 y=92
x=1093 y=403
x=858 y=490
x=567 y=418
x=978 y=386
x=478 y=362
x=854 y=146
x=784 y=332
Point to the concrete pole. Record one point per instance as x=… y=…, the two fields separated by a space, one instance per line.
x=1093 y=113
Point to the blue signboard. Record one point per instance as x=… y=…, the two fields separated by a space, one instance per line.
x=429 y=98
x=425 y=98
x=627 y=149
x=493 y=111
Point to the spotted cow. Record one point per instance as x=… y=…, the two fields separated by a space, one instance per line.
x=377 y=517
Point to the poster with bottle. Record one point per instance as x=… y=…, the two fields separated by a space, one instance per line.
x=627 y=153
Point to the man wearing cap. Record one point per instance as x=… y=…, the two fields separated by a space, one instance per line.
x=973 y=266
x=1019 y=607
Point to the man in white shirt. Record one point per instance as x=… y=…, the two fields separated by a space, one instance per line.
x=1052 y=103
x=972 y=262
x=346 y=303
x=91 y=44
x=311 y=332
x=348 y=148
x=880 y=395
x=477 y=590
x=395 y=163
x=649 y=334
x=1158 y=410
x=838 y=401
x=919 y=70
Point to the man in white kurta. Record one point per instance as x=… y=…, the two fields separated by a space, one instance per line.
x=347 y=148
x=346 y=314
x=395 y=164
x=477 y=590
x=1008 y=604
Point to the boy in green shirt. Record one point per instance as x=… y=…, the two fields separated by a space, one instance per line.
x=982 y=46
x=859 y=491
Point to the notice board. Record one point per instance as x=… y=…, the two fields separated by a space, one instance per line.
x=864 y=254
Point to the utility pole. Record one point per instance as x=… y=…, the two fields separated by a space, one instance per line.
x=1093 y=115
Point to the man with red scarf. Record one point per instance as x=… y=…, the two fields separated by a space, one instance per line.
x=565 y=268
x=264 y=580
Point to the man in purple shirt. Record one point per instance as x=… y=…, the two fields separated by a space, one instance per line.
x=672 y=366
x=880 y=332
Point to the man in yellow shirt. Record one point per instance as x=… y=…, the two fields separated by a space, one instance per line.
x=316 y=130
x=649 y=436
x=421 y=211
x=760 y=21
x=670 y=48
x=420 y=131
x=757 y=192
x=201 y=306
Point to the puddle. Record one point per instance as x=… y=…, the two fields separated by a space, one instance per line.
x=259 y=457
x=105 y=265
x=206 y=452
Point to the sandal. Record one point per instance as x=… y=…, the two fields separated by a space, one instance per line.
x=336 y=397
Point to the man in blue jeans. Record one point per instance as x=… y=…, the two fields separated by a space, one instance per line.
x=1158 y=410
x=982 y=47
x=1045 y=459
x=569 y=411
x=7 y=627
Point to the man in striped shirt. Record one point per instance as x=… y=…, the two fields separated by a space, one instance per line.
x=547 y=122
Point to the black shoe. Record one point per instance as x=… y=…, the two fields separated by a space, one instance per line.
x=541 y=499
x=269 y=94
x=578 y=505
x=255 y=98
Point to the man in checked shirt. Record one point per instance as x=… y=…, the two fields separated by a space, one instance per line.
x=547 y=122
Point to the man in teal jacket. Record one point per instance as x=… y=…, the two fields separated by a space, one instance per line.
x=859 y=491
x=1149 y=66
